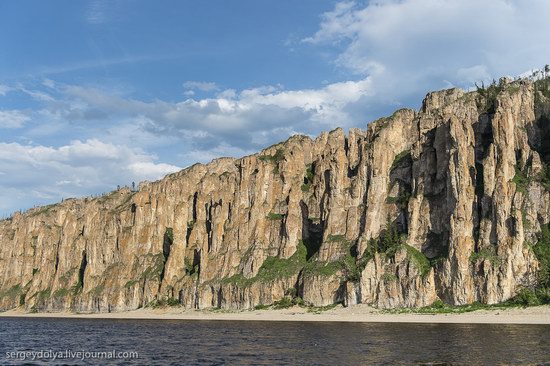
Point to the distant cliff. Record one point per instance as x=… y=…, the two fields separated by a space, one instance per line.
x=444 y=203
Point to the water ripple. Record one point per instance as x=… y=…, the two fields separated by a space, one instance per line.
x=180 y=342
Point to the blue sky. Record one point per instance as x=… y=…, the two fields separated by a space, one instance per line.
x=100 y=93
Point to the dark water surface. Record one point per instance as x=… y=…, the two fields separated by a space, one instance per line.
x=181 y=342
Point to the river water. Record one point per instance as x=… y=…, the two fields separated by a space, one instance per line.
x=182 y=342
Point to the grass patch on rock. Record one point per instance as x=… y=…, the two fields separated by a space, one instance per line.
x=11 y=293
x=419 y=259
x=60 y=293
x=486 y=254
x=275 y=216
x=273 y=268
x=402 y=159
x=274 y=159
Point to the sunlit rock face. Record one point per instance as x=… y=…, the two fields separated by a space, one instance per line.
x=440 y=203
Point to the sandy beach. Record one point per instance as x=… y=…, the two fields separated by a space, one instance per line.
x=358 y=313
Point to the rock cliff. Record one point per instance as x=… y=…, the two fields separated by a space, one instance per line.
x=441 y=203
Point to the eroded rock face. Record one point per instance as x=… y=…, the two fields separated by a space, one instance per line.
x=303 y=218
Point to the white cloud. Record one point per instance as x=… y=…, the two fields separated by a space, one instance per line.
x=200 y=85
x=337 y=24
x=222 y=150
x=150 y=170
x=48 y=83
x=12 y=119
x=37 y=95
x=412 y=46
x=41 y=174
x=4 y=89
x=235 y=118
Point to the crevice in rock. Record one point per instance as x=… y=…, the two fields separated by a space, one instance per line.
x=167 y=242
x=326 y=176
x=544 y=147
x=197 y=267
x=363 y=218
x=82 y=269
x=484 y=138
x=401 y=174
x=340 y=294
x=219 y=298
x=433 y=163
x=208 y=224
x=312 y=233
x=539 y=141
x=346 y=146
x=133 y=210
x=282 y=228
x=197 y=261
x=428 y=158
x=352 y=172
x=56 y=259
x=299 y=285
x=437 y=245
x=195 y=198
x=511 y=226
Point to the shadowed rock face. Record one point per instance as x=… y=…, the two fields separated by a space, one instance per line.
x=309 y=218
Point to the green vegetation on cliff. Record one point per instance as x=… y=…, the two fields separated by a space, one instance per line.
x=274 y=159
x=521 y=180
x=308 y=178
x=404 y=158
x=539 y=293
x=273 y=268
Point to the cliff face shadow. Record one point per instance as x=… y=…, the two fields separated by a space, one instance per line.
x=312 y=232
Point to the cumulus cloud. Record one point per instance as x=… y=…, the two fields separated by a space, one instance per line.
x=42 y=174
x=243 y=120
x=12 y=119
x=410 y=46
